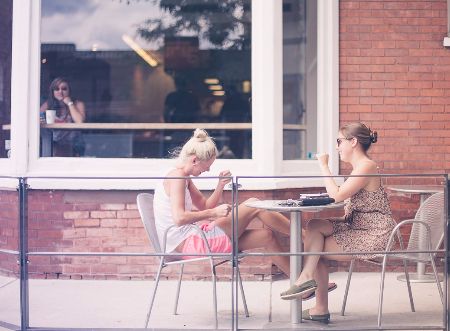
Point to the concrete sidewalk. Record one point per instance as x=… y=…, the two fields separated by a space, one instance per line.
x=60 y=304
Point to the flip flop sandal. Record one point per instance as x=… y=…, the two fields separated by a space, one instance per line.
x=298 y=290
x=324 y=318
x=331 y=287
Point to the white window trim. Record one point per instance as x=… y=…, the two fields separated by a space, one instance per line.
x=267 y=81
x=446 y=41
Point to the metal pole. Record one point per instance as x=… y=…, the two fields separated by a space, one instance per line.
x=296 y=263
x=23 y=252
x=448 y=18
x=235 y=259
x=446 y=248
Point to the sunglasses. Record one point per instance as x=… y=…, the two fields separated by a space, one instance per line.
x=60 y=88
x=339 y=140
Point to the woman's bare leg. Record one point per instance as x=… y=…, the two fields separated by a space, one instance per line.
x=322 y=279
x=322 y=275
x=257 y=238
x=246 y=214
x=315 y=235
x=275 y=221
x=271 y=219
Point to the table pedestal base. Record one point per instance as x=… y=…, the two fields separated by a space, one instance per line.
x=296 y=264
x=420 y=278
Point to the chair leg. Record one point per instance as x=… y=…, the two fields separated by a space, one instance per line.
x=380 y=301
x=349 y=278
x=213 y=275
x=177 y=296
x=408 y=284
x=270 y=298
x=161 y=264
x=438 y=283
x=244 y=301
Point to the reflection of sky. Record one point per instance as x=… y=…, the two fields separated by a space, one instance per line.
x=94 y=22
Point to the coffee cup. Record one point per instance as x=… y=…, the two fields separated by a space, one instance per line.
x=50 y=116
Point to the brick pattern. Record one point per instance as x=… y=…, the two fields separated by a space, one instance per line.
x=395 y=77
x=9 y=229
x=56 y=224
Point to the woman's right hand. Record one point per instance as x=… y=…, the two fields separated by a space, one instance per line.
x=224 y=181
x=222 y=210
x=323 y=159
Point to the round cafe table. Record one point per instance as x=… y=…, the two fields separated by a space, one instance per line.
x=424 y=191
x=295 y=240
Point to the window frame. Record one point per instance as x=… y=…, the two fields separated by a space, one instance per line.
x=446 y=41
x=267 y=105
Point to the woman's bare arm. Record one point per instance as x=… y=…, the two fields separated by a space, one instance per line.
x=77 y=110
x=352 y=185
x=177 y=198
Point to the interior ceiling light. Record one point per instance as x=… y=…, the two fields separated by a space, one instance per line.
x=219 y=93
x=215 y=87
x=246 y=86
x=212 y=81
x=140 y=51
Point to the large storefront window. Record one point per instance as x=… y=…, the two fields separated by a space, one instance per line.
x=299 y=79
x=5 y=76
x=133 y=79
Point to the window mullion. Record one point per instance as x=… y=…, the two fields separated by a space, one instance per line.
x=21 y=84
x=328 y=78
x=267 y=78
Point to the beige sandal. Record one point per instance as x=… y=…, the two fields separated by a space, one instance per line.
x=298 y=290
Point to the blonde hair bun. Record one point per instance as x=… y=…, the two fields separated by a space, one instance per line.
x=200 y=135
x=200 y=144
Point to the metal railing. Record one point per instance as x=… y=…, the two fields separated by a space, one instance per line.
x=23 y=254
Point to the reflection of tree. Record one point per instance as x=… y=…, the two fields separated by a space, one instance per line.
x=225 y=24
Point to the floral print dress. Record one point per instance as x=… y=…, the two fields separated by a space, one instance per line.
x=367 y=223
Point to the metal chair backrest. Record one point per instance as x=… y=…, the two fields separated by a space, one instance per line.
x=145 y=207
x=431 y=212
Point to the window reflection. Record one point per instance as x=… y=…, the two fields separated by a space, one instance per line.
x=167 y=65
x=5 y=76
x=299 y=79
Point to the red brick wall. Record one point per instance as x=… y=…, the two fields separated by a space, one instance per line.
x=9 y=232
x=86 y=221
x=395 y=77
x=99 y=221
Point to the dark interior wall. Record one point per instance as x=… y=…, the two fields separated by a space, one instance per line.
x=5 y=69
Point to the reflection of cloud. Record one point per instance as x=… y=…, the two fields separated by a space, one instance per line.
x=52 y=7
x=88 y=22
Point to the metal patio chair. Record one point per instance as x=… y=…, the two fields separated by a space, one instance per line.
x=144 y=203
x=427 y=234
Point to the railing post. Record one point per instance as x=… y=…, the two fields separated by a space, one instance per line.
x=235 y=261
x=447 y=253
x=23 y=253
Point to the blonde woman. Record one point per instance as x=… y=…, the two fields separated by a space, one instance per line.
x=175 y=199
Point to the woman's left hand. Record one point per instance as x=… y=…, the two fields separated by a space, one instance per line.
x=224 y=181
x=323 y=159
x=67 y=100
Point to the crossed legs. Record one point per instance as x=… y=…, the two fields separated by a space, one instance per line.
x=258 y=238
x=318 y=238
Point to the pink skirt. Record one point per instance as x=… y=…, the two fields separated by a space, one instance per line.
x=217 y=239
